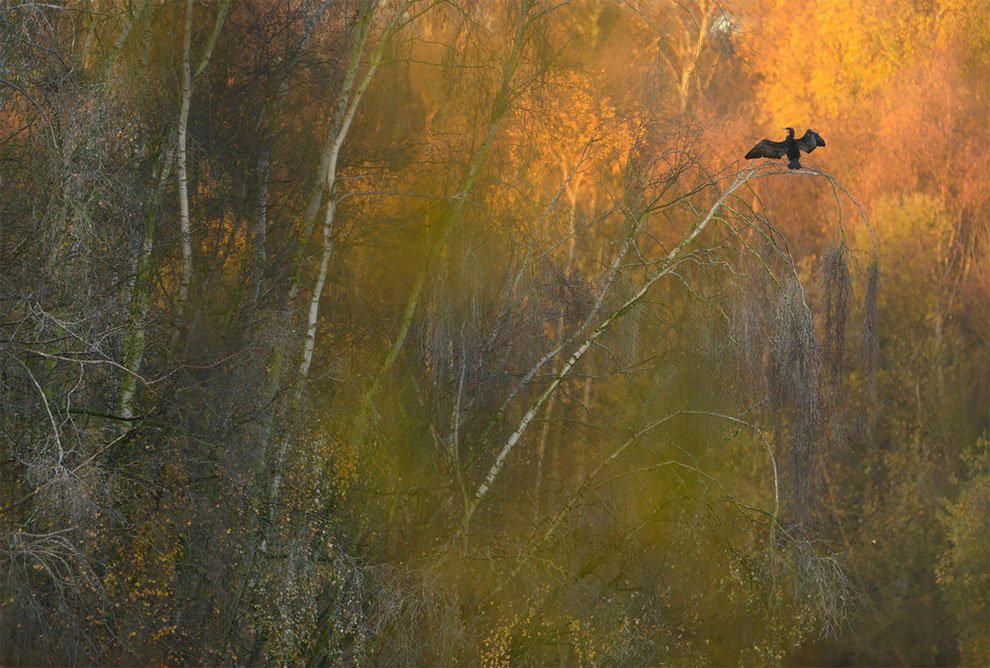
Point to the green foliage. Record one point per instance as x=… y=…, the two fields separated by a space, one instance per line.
x=962 y=567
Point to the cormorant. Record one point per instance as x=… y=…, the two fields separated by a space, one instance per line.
x=790 y=147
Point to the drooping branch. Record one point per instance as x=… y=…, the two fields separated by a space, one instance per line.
x=665 y=267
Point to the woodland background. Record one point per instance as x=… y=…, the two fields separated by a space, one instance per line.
x=446 y=332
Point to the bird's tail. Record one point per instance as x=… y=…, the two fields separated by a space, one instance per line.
x=794 y=164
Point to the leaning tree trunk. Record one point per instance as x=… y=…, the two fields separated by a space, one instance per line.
x=182 y=176
x=666 y=266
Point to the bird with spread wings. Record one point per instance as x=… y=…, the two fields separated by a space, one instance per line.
x=790 y=147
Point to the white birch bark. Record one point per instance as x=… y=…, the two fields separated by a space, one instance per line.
x=268 y=488
x=211 y=41
x=346 y=109
x=182 y=136
x=134 y=337
x=137 y=308
x=336 y=133
x=182 y=177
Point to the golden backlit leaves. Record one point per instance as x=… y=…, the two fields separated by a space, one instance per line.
x=898 y=88
x=140 y=582
x=581 y=641
x=898 y=77
x=819 y=58
x=569 y=126
x=565 y=148
x=916 y=235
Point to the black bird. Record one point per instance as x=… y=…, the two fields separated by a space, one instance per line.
x=790 y=147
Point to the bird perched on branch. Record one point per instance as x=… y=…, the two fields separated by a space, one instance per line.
x=790 y=147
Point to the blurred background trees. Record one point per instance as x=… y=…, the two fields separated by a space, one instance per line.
x=418 y=332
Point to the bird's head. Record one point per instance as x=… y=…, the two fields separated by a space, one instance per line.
x=790 y=133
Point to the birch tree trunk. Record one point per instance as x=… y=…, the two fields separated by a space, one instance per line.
x=182 y=136
x=346 y=108
x=137 y=309
x=327 y=161
x=181 y=174
x=134 y=335
x=347 y=105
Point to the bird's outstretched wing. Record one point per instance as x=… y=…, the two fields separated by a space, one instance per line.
x=768 y=149
x=810 y=141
